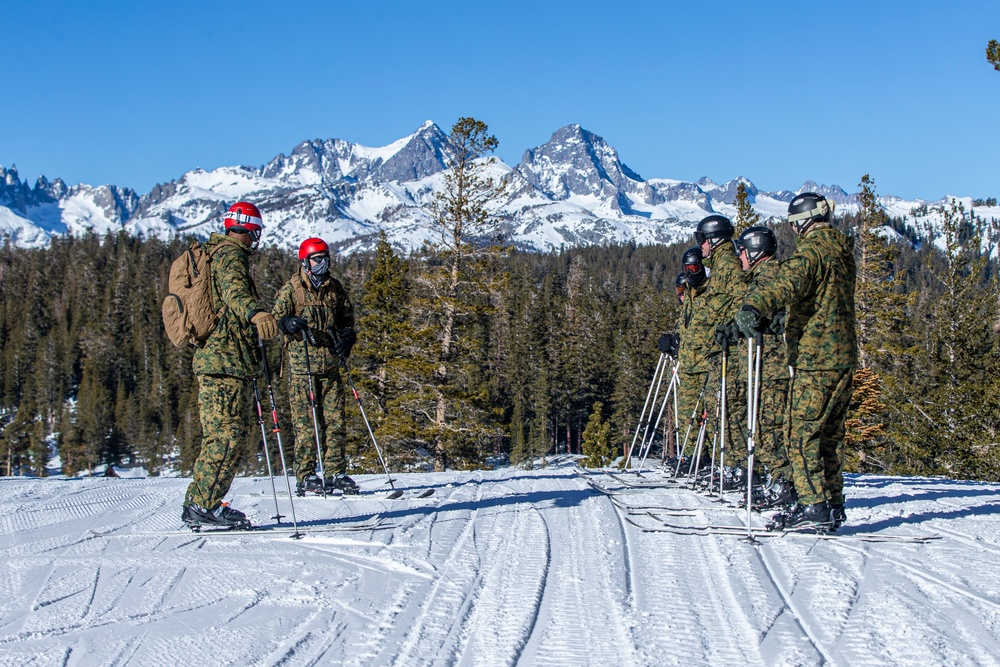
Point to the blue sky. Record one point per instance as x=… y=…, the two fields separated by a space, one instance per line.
x=135 y=93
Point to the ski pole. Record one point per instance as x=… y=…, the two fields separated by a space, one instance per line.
x=687 y=434
x=642 y=415
x=648 y=444
x=699 y=444
x=277 y=432
x=378 y=450
x=662 y=368
x=723 y=407
x=754 y=405
x=312 y=404
x=267 y=455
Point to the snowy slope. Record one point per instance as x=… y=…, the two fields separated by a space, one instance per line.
x=497 y=568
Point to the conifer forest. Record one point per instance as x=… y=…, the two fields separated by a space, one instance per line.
x=470 y=352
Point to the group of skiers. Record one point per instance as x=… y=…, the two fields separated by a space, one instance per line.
x=315 y=316
x=801 y=311
x=801 y=314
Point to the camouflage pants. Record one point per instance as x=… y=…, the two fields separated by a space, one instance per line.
x=818 y=403
x=223 y=404
x=736 y=408
x=687 y=399
x=708 y=408
x=770 y=443
x=331 y=418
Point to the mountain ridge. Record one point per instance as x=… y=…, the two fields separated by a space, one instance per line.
x=572 y=190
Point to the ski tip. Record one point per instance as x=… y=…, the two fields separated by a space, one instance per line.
x=395 y=494
x=426 y=494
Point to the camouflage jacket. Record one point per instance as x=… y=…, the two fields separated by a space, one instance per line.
x=816 y=286
x=329 y=306
x=686 y=354
x=231 y=349
x=719 y=295
x=775 y=351
x=727 y=272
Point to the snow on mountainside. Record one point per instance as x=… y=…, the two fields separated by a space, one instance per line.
x=573 y=190
x=498 y=567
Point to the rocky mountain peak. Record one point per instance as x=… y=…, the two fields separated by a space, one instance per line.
x=577 y=162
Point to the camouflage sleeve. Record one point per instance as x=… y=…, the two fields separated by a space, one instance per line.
x=731 y=274
x=231 y=275
x=284 y=302
x=793 y=281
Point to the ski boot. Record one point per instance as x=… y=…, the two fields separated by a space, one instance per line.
x=311 y=483
x=341 y=482
x=779 y=494
x=223 y=516
x=806 y=518
x=838 y=514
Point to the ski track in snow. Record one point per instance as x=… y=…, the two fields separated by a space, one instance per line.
x=506 y=567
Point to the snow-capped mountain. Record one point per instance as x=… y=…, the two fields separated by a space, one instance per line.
x=572 y=190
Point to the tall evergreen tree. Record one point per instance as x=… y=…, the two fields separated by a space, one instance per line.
x=881 y=318
x=746 y=216
x=949 y=422
x=457 y=286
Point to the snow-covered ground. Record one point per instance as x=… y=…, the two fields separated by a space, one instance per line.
x=496 y=568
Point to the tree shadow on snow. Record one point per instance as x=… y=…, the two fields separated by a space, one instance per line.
x=917 y=518
x=963 y=492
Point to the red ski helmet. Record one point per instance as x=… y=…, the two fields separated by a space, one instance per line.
x=312 y=246
x=244 y=218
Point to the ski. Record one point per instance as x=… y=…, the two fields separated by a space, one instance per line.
x=741 y=531
x=673 y=510
x=666 y=483
x=212 y=531
x=398 y=494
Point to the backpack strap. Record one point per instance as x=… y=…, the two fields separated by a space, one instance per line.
x=303 y=297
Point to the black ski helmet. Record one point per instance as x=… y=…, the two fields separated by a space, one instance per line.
x=682 y=282
x=759 y=242
x=808 y=208
x=693 y=267
x=716 y=229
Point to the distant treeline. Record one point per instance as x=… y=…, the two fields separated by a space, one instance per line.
x=87 y=373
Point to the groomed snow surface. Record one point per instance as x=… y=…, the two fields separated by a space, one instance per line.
x=505 y=567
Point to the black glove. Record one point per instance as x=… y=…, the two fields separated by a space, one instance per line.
x=728 y=332
x=343 y=341
x=292 y=325
x=777 y=325
x=322 y=338
x=748 y=320
x=666 y=342
x=675 y=347
x=309 y=336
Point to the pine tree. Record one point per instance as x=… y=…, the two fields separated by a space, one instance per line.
x=949 y=419
x=458 y=284
x=597 y=439
x=993 y=54
x=388 y=354
x=746 y=216
x=881 y=309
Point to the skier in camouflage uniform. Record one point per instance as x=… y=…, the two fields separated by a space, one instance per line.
x=313 y=309
x=691 y=372
x=726 y=288
x=757 y=247
x=816 y=287
x=225 y=365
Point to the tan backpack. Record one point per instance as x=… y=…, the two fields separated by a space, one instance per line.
x=188 y=314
